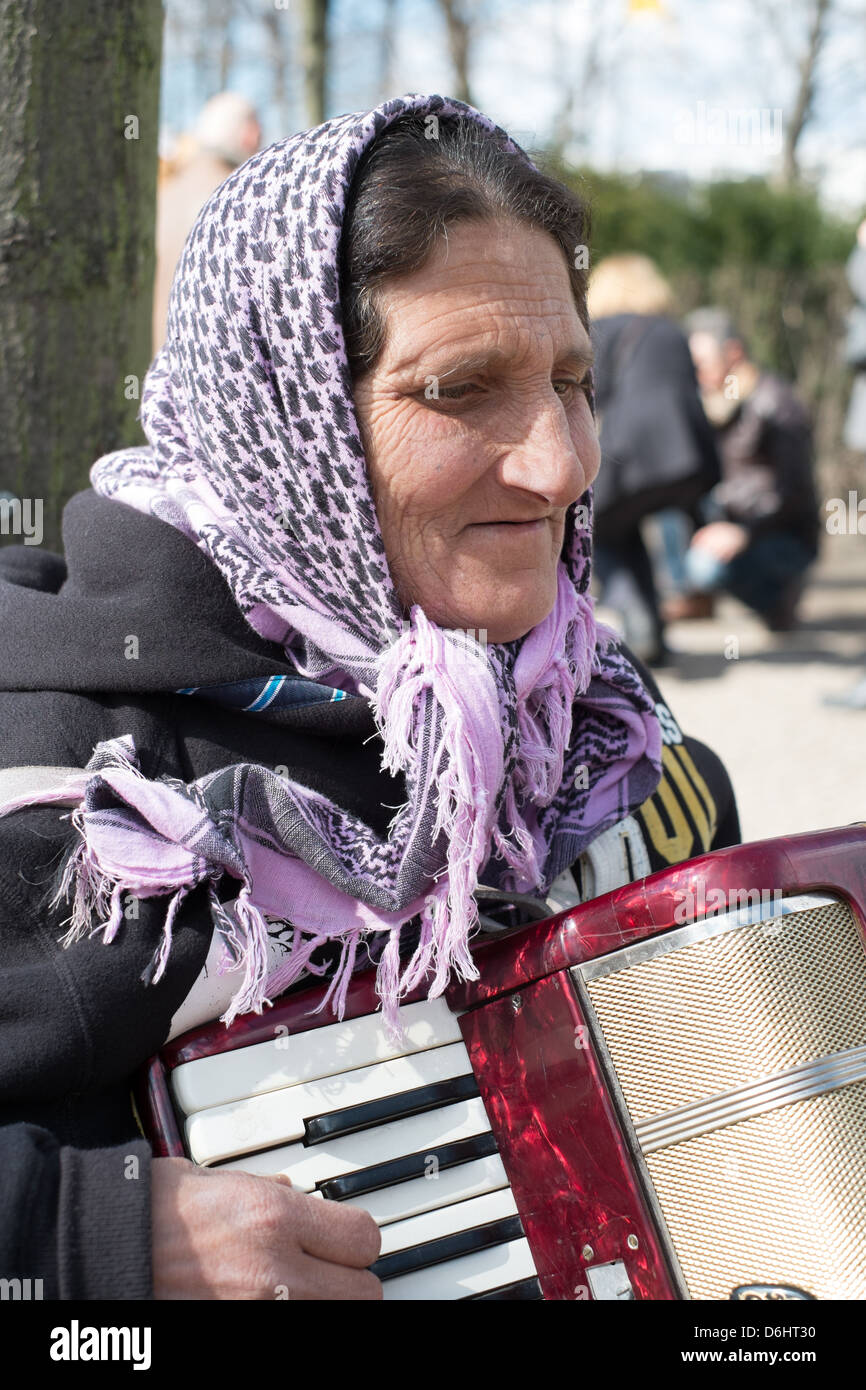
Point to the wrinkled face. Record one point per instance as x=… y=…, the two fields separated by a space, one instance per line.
x=477 y=428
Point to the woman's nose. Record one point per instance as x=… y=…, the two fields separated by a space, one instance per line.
x=543 y=456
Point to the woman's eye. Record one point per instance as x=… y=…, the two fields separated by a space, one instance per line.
x=584 y=386
x=454 y=393
x=566 y=385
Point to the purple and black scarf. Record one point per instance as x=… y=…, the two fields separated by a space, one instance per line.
x=515 y=756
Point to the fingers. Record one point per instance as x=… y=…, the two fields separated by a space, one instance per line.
x=330 y=1231
x=319 y=1280
x=241 y=1235
x=344 y=1235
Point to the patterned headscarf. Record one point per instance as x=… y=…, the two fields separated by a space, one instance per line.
x=515 y=756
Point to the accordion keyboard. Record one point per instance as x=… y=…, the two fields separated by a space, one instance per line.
x=397 y=1128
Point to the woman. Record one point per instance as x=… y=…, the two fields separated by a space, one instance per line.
x=659 y=453
x=325 y=653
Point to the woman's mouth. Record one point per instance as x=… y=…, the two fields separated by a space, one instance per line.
x=511 y=528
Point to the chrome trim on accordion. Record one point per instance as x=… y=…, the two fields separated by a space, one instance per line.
x=678 y=937
x=727 y=1107
x=760 y=1183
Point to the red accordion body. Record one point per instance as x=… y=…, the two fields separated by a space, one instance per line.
x=644 y=1062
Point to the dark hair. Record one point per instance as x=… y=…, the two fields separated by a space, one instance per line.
x=409 y=188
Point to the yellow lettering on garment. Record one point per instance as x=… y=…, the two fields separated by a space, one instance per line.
x=702 y=789
x=678 y=845
x=681 y=767
x=681 y=789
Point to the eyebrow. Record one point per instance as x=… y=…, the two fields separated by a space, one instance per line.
x=576 y=355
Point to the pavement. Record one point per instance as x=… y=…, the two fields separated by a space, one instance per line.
x=756 y=698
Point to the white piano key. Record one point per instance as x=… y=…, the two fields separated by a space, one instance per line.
x=447 y=1221
x=418 y=1195
x=468 y=1274
x=288 y=1060
x=307 y=1166
x=225 y=1131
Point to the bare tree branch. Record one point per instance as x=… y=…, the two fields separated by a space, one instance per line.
x=805 y=96
x=388 y=46
x=458 y=24
x=276 y=30
x=314 y=14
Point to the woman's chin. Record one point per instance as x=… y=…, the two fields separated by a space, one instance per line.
x=504 y=618
x=512 y=631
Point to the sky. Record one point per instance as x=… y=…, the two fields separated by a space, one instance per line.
x=701 y=88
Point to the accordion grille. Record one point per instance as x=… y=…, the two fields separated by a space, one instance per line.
x=741 y=1058
x=776 y=1199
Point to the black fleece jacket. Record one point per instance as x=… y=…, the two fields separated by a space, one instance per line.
x=95 y=646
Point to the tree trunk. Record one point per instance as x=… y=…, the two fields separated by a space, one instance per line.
x=315 y=59
x=279 y=54
x=226 y=50
x=805 y=93
x=79 y=96
x=459 y=28
x=386 y=52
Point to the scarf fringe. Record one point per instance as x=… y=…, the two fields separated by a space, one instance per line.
x=245 y=933
x=432 y=683
x=97 y=903
x=548 y=677
x=416 y=679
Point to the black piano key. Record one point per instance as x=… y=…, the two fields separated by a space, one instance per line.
x=409 y=1166
x=524 y=1289
x=435 y=1252
x=398 y=1107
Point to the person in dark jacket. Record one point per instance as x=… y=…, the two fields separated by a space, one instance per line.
x=854 y=434
x=855 y=345
x=263 y=638
x=761 y=522
x=658 y=451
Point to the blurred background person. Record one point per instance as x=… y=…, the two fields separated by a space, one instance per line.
x=175 y=152
x=226 y=133
x=855 y=345
x=658 y=449
x=855 y=419
x=761 y=521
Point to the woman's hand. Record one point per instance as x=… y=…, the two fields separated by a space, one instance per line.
x=234 y=1235
x=723 y=539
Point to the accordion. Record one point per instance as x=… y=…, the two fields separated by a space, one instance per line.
x=658 y=1094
